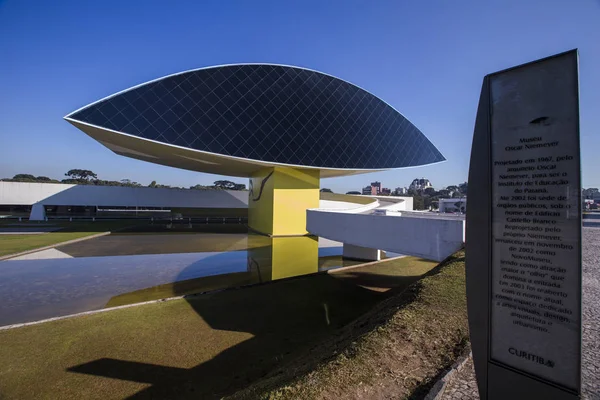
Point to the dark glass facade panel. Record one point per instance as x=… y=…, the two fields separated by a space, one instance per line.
x=270 y=113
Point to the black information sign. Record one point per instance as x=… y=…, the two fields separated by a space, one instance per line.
x=531 y=210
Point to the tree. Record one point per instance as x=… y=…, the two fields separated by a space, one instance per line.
x=30 y=178
x=353 y=192
x=326 y=190
x=228 y=185
x=430 y=191
x=128 y=183
x=463 y=187
x=199 y=187
x=427 y=203
x=418 y=203
x=444 y=193
x=81 y=175
x=589 y=193
x=23 y=178
x=152 y=184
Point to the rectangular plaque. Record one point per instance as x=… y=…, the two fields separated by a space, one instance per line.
x=536 y=220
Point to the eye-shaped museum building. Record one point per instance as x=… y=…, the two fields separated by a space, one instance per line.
x=283 y=127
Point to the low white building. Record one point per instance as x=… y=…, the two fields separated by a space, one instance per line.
x=457 y=205
x=41 y=199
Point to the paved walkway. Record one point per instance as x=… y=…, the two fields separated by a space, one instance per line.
x=462 y=386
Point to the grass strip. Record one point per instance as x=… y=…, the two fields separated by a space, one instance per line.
x=11 y=244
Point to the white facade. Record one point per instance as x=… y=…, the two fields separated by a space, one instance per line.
x=458 y=205
x=39 y=195
x=22 y=193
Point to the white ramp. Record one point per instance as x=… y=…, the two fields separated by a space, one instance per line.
x=427 y=235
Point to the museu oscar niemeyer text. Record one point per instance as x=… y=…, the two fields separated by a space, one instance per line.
x=536 y=224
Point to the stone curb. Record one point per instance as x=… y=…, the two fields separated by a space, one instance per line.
x=437 y=391
x=102 y=310
x=51 y=246
x=366 y=264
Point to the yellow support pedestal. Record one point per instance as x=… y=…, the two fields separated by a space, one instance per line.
x=279 y=198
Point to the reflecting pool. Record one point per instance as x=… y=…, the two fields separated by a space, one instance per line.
x=121 y=269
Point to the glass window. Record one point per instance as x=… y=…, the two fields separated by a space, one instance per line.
x=269 y=113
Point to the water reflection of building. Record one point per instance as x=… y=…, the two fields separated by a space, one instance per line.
x=264 y=259
x=285 y=257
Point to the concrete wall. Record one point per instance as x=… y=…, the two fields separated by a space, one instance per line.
x=20 y=193
x=430 y=238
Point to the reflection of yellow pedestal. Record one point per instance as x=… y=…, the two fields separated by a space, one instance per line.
x=279 y=198
x=286 y=257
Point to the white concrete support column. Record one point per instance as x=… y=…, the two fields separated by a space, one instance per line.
x=38 y=212
x=361 y=253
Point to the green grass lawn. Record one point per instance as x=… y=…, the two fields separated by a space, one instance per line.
x=10 y=244
x=205 y=346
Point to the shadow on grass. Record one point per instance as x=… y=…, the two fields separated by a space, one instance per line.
x=288 y=320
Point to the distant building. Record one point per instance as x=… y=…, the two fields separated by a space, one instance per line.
x=386 y=191
x=589 y=204
x=375 y=188
x=420 y=184
x=458 y=205
x=399 y=191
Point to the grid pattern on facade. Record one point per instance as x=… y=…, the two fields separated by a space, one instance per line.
x=269 y=113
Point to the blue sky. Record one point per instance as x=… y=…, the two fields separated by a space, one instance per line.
x=425 y=58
